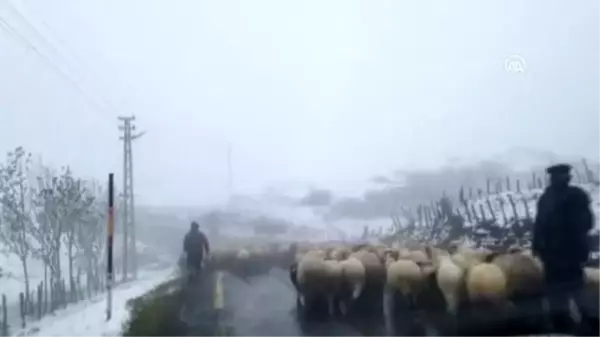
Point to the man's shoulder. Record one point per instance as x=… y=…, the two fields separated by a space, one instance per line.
x=579 y=194
x=546 y=194
x=577 y=189
x=191 y=234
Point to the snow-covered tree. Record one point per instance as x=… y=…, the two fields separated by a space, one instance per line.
x=72 y=206
x=47 y=229
x=43 y=212
x=90 y=238
x=16 y=202
x=69 y=214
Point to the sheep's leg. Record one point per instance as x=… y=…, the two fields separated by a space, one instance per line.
x=331 y=304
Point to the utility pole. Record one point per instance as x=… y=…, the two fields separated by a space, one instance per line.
x=128 y=215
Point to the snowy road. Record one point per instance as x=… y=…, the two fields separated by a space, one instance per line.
x=265 y=306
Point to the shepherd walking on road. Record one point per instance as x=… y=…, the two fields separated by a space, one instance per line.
x=560 y=240
x=196 y=247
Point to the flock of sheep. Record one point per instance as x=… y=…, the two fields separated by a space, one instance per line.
x=413 y=289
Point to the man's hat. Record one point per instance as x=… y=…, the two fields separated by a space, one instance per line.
x=559 y=169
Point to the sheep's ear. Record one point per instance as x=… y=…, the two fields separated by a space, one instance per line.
x=429 y=252
x=514 y=250
x=427 y=268
x=452 y=248
x=488 y=258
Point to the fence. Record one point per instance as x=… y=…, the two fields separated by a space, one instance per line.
x=46 y=298
x=487 y=216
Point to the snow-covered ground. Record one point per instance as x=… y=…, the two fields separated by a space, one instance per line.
x=12 y=280
x=88 y=318
x=308 y=224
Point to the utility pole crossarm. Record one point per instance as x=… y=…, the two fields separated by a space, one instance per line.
x=126 y=118
x=136 y=136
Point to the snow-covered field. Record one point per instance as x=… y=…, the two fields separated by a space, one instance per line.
x=12 y=280
x=308 y=224
x=348 y=229
x=88 y=318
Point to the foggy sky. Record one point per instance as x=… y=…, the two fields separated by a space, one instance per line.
x=325 y=92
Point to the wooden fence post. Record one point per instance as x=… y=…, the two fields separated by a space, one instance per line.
x=40 y=299
x=22 y=308
x=4 y=327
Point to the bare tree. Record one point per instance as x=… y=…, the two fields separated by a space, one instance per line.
x=46 y=229
x=50 y=226
x=90 y=234
x=72 y=207
x=15 y=199
x=68 y=212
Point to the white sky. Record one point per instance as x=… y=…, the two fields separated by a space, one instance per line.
x=327 y=92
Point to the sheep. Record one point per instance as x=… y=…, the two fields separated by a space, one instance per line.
x=370 y=300
x=314 y=279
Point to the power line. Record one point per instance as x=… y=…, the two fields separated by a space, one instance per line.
x=33 y=28
x=30 y=46
x=49 y=43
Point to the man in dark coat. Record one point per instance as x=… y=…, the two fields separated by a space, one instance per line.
x=560 y=240
x=195 y=244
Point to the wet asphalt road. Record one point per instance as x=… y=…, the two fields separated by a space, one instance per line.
x=266 y=306
x=263 y=305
